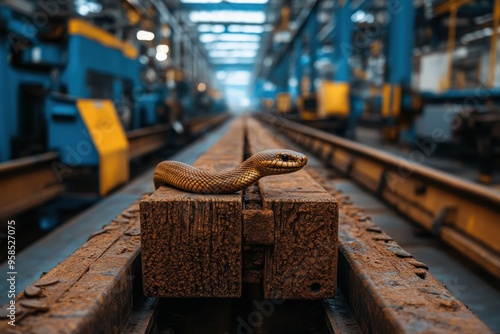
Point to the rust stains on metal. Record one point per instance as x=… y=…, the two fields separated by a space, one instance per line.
x=37 y=305
x=372 y=276
x=418 y=264
x=90 y=291
x=32 y=291
x=45 y=282
x=96 y=234
x=30 y=182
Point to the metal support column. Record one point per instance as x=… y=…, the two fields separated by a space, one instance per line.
x=399 y=67
x=297 y=69
x=334 y=93
x=494 y=41
x=343 y=40
x=195 y=58
x=6 y=116
x=283 y=102
x=314 y=45
x=177 y=52
x=282 y=72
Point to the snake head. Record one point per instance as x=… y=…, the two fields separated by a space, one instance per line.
x=280 y=161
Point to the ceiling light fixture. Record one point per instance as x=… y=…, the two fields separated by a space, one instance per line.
x=201 y=1
x=162 y=48
x=210 y=38
x=232 y=46
x=232 y=53
x=213 y=28
x=247 y=29
x=235 y=16
x=161 y=56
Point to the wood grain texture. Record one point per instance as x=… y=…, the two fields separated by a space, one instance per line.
x=191 y=243
x=302 y=263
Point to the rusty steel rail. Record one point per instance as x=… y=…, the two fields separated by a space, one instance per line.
x=147 y=140
x=386 y=287
x=462 y=214
x=150 y=139
x=198 y=125
x=92 y=290
x=29 y=182
x=98 y=287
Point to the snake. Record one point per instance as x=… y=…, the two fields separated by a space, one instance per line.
x=195 y=180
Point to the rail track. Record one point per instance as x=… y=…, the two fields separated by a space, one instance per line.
x=30 y=182
x=462 y=214
x=382 y=287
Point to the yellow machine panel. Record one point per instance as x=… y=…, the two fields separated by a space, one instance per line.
x=108 y=136
x=333 y=99
x=283 y=103
x=85 y=29
x=391 y=100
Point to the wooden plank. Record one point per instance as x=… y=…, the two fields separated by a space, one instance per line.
x=191 y=243
x=303 y=260
x=258 y=227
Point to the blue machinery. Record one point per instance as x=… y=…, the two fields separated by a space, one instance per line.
x=295 y=78
x=453 y=112
x=71 y=87
x=53 y=91
x=78 y=104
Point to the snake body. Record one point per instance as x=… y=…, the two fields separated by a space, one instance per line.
x=192 y=179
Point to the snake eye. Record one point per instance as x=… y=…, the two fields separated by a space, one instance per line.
x=284 y=157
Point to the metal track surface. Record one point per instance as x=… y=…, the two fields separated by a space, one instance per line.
x=147 y=140
x=29 y=182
